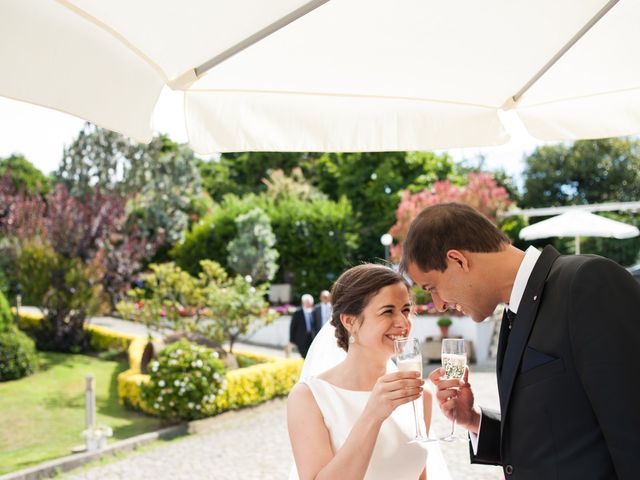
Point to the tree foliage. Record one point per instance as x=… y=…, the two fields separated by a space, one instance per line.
x=373 y=183
x=252 y=251
x=160 y=179
x=315 y=238
x=25 y=177
x=587 y=172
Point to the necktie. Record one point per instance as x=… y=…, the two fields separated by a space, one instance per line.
x=510 y=317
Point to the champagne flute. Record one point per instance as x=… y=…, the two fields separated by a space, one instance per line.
x=409 y=359
x=454 y=362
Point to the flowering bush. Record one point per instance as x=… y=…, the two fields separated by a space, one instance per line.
x=184 y=381
x=286 y=309
x=481 y=192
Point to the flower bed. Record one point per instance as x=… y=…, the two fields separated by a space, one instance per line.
x=268 y=378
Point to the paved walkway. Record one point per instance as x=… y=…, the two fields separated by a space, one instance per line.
x=253 y=444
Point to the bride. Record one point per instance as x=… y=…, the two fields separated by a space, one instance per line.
x=350 y=416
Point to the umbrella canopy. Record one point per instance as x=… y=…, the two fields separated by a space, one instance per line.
x=339 y=75
x=579 y=223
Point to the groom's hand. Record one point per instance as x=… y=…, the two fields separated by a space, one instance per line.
x=455 y=398
x=392 y=390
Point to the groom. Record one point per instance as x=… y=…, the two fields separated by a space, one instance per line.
x=568 y=361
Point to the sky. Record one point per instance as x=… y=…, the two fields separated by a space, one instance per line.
x=41 y=134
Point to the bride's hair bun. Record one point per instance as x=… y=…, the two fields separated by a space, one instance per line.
x=352 y=291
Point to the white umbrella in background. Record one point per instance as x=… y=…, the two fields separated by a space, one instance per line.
x=578 y=223
x=339 y=75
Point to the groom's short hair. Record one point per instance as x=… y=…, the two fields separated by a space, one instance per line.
x=448 y=226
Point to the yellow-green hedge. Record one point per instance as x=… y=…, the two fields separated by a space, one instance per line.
x=245 y=386
x=272 y=376
x=100 y=338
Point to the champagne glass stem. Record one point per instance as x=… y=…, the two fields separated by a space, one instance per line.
x=415 y=419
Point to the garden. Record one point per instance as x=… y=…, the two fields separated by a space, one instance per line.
x=188 y=249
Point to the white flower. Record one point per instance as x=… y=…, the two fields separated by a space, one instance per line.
x=176 y=383
x=216 y=377
x=190 y=405
x=171 y=404
x=156 y=406
x=161 y=383
x=199 y=363
x=216 y=354
x=160 y=398
x=197 y=407
x=179 y=351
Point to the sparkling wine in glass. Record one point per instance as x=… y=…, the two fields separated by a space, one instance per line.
x=409 y=359
x=454 y=362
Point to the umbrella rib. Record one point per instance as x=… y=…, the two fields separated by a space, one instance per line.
x=78 y=11
x=327 y=94
x=190 y=76
x=512 y=101
x=580 y=97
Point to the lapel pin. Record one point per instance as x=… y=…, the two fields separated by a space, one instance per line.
x=535 y=297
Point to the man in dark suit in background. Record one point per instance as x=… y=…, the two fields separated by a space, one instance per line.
x=322 y=311
x=302 y=329
x=567 y=365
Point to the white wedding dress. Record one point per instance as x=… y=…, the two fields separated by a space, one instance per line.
x=393 y=457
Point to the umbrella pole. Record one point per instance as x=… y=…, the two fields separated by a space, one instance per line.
x=577 y=245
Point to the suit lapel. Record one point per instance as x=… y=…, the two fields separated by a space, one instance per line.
x=522 y=326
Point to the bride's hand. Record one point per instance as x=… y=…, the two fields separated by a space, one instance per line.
x=392 y=390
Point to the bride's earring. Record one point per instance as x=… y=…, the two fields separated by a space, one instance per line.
x=352 y=339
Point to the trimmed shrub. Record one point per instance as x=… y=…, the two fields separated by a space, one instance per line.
x=315 y=238
x=17 y=351
x=184 y=382
x=6 y=317
x=266 y=378
x=101 y=339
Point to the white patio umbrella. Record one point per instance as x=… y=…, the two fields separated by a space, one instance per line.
x=339 y=75
x=579 y=223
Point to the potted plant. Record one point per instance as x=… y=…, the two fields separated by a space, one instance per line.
x=444 y=323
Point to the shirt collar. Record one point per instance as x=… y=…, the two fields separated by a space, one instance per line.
x=531 y=256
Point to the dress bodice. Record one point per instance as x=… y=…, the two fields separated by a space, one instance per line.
x=393 y=457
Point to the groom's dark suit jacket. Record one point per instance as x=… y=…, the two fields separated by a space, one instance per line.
x=569 y=376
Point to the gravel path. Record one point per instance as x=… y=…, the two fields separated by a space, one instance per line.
x=253 y=444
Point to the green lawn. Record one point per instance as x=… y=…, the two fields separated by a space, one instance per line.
x=42 y=416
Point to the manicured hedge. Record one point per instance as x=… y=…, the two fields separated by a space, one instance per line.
x=315 y=239
x=101 y=338
x=244 y=387
x=266 y=378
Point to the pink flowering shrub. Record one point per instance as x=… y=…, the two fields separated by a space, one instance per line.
x=481 y=192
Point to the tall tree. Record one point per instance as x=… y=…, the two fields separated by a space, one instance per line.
x=373 y=182
x=588 y=171
x=242 y=173
x=160 y=179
